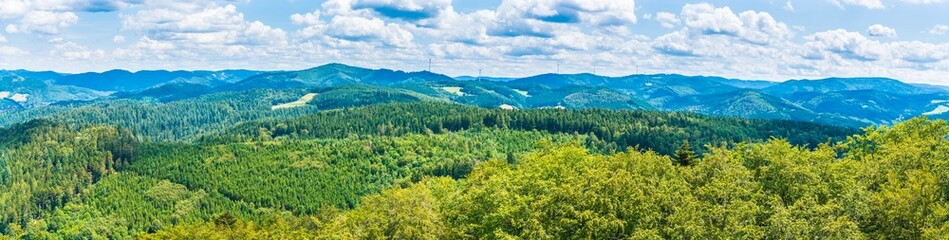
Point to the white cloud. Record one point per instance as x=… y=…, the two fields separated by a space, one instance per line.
x=676 y=43
x=668 y=20
x=919 y=52
x=12 y=51
x=939 y=30
x=405 y=9
x=871 y=4
x=877 y=30
x=202 y=31
x=210 y=26
x=751 y=26
x=311 y=18
x=73 y=51
x=706 y=18
x=50 y=16
x=360 y=29
x=3 y=39
x=599 y=12
x=850 y=45
x=16 y=8
x=519 y=37
x=44 y=22
x=924 y=1
x=539 y=18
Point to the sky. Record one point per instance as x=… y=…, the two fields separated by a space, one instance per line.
x=762 y=39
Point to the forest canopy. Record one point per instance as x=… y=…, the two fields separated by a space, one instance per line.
x=444 y=171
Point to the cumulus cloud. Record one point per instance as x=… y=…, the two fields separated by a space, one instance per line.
x=751 y=26
x=405 y=9
x=923 y=1
x=18 y=8
x=3 y=39
x=517 y=37
x=11 y=51
x=196 y=29
x=667 y=19
x=855 y=46
x=877 y=30
x=44 y=22
x=939 y=30
x=211 y=26
x=539 y=18
x=49 y=16
x=871 y=4
x=360 y=29
x=73 y=51
x=599 y=12
x=920 y=52
x=311 y=18
x=850 y=45
x=675 y=44
x=414 y=11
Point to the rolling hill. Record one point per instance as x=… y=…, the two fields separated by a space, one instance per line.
x=31 y=92
x=333 y=75
x=844 y=84
x=121 y=80
x=853 y=102
x=7 y=105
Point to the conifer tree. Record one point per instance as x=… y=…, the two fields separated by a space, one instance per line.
x=685 y=156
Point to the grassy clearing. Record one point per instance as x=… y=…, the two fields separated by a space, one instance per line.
x=454 y=90
x=298 y=103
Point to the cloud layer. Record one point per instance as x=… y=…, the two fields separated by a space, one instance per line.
x=515 y=38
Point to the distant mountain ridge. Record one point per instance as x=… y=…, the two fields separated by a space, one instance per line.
x=841 y=101
x=335 y=74
x=122 y=80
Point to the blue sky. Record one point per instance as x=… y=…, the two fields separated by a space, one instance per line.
x=771 y=40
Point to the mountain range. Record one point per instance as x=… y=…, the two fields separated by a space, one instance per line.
x=853 y=102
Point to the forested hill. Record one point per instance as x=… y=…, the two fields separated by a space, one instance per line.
x=660 y=131
x=338 y=152
x=851 y=102
x=503 y=181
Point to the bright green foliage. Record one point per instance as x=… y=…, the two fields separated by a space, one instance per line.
x=124 y=204
x=307 y=175
x=567 y=192
x=409 y=213
x=451 y=172
x=51 y=164
x=662 y=132
x=177 y=120
x=885 y=184
x=906 y=171
x=276 y=228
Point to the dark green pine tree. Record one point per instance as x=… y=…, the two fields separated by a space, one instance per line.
x=685 y=156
